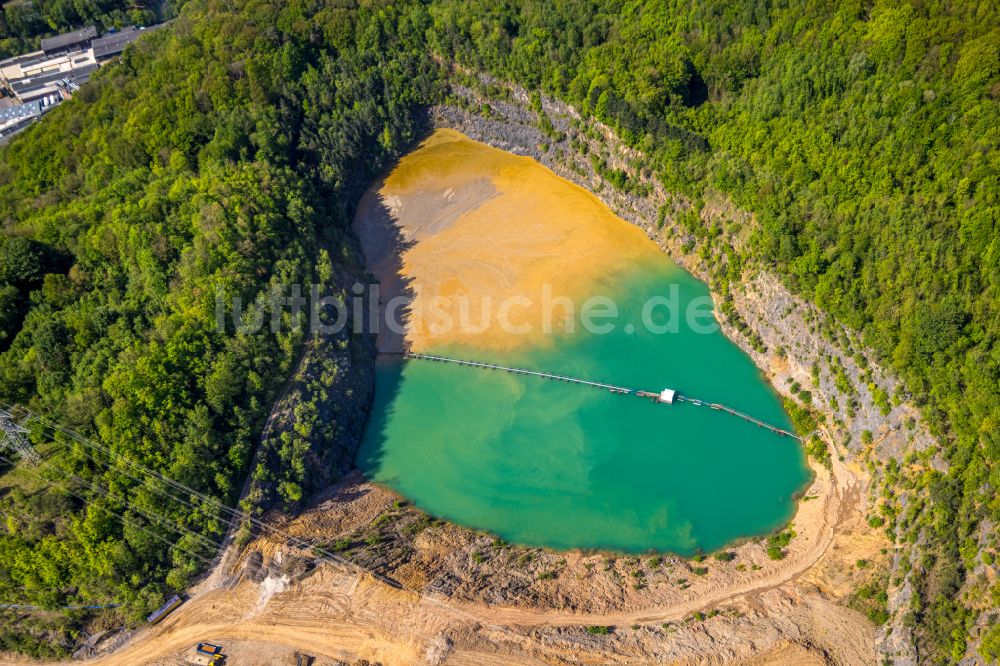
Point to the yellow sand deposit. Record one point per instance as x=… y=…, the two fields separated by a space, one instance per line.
x=481 y=227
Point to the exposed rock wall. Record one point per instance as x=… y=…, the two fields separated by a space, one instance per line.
x=867 y=419
x=867 y=415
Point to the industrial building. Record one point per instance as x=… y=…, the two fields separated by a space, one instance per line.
x=14 y=118
x=37 y=75
x=111 y=44
x=70 y=41
x=64 y=63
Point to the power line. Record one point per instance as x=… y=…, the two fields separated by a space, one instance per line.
x=151 y=517
x=148 y=515
x=89 y=443
x=122 y=517
x=143 y=480
x=144 y=473
x=317 y=552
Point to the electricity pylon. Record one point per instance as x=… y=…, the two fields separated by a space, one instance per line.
x=12 y=437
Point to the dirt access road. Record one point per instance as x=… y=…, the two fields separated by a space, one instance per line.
x=340 y=615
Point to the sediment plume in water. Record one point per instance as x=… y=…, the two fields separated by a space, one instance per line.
x=543 y=462
x=474 y=227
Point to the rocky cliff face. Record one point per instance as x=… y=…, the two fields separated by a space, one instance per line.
x=808 y=357
x=316 y=425
x=868 y=426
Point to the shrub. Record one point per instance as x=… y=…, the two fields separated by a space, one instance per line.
x=776 y=544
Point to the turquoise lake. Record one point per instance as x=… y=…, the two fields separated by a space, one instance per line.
x=544 y=463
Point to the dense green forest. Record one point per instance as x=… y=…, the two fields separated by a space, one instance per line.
x=227 y=150
x=219 y=154
x=24 y=22
x=864 y=137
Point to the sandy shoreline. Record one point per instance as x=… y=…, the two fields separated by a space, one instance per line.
x=783 y=610
x=495 y=615
x=337 y=614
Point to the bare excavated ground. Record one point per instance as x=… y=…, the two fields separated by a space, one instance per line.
x=468 y=599
x=781 y=611
x=471 y=600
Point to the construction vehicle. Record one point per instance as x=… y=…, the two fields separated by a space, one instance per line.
x=165 y=610
x=210 y=650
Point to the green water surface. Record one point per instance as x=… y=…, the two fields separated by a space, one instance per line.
x=545 y=463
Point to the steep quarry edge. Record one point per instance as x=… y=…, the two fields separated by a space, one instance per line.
x=468 y=596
